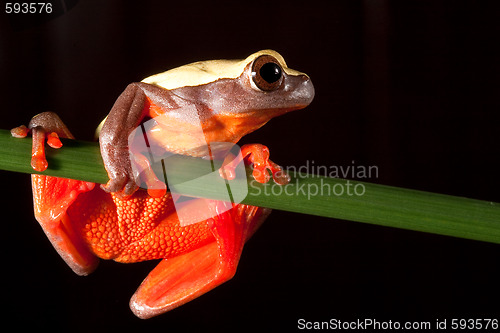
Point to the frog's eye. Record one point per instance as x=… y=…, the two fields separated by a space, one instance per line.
x=267 y=73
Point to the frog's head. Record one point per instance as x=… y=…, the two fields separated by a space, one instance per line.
x=260 y=85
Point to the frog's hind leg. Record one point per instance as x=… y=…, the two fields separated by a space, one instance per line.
x=178 y=280
x=52 y=196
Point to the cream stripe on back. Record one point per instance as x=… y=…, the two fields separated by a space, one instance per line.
x=204 y=72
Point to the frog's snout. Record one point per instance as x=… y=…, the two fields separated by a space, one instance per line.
x=304 y=91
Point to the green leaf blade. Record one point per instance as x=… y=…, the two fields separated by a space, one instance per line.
x=306 y=194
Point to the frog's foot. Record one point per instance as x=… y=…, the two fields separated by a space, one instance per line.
x=126 y=175
x=122 y=180
x=178 y=280
x=258 y=156
x=44 y=126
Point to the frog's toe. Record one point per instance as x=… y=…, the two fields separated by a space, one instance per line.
x=53 y=140
x=130 y=187
x=280 y=176
x=263 y=167
x=20 y=131
x=121 y=185
x=115 y=183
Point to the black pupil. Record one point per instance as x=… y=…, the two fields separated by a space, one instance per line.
x=270 y=72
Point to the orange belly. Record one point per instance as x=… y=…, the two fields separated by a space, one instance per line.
x=135 y=229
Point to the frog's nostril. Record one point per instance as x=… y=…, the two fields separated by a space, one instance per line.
x=303 y=78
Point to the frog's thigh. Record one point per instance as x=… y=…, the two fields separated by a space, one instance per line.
x=178 y=280
x=51 y=197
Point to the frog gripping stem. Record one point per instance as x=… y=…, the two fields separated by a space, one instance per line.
x=44 y=126
x=258 y=156
x=186 y=108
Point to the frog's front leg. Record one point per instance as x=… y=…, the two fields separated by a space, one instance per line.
x=258 y=156
x=128 y=112
x=52 y=196
x=125 y=115
x=178 y=280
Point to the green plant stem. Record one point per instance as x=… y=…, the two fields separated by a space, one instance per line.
x=307 y=194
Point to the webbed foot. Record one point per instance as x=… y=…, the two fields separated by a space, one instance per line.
x=44 y=126
x=258 y=156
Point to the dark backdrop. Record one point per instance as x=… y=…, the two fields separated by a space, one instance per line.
x=408 y=86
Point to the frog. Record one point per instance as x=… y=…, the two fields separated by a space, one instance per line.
x=124 y=222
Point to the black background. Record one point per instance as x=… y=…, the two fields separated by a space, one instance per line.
x=408 y=86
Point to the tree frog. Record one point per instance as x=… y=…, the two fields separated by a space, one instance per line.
x=120 y=221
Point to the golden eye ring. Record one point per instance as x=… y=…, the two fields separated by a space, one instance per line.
x=267 y=73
